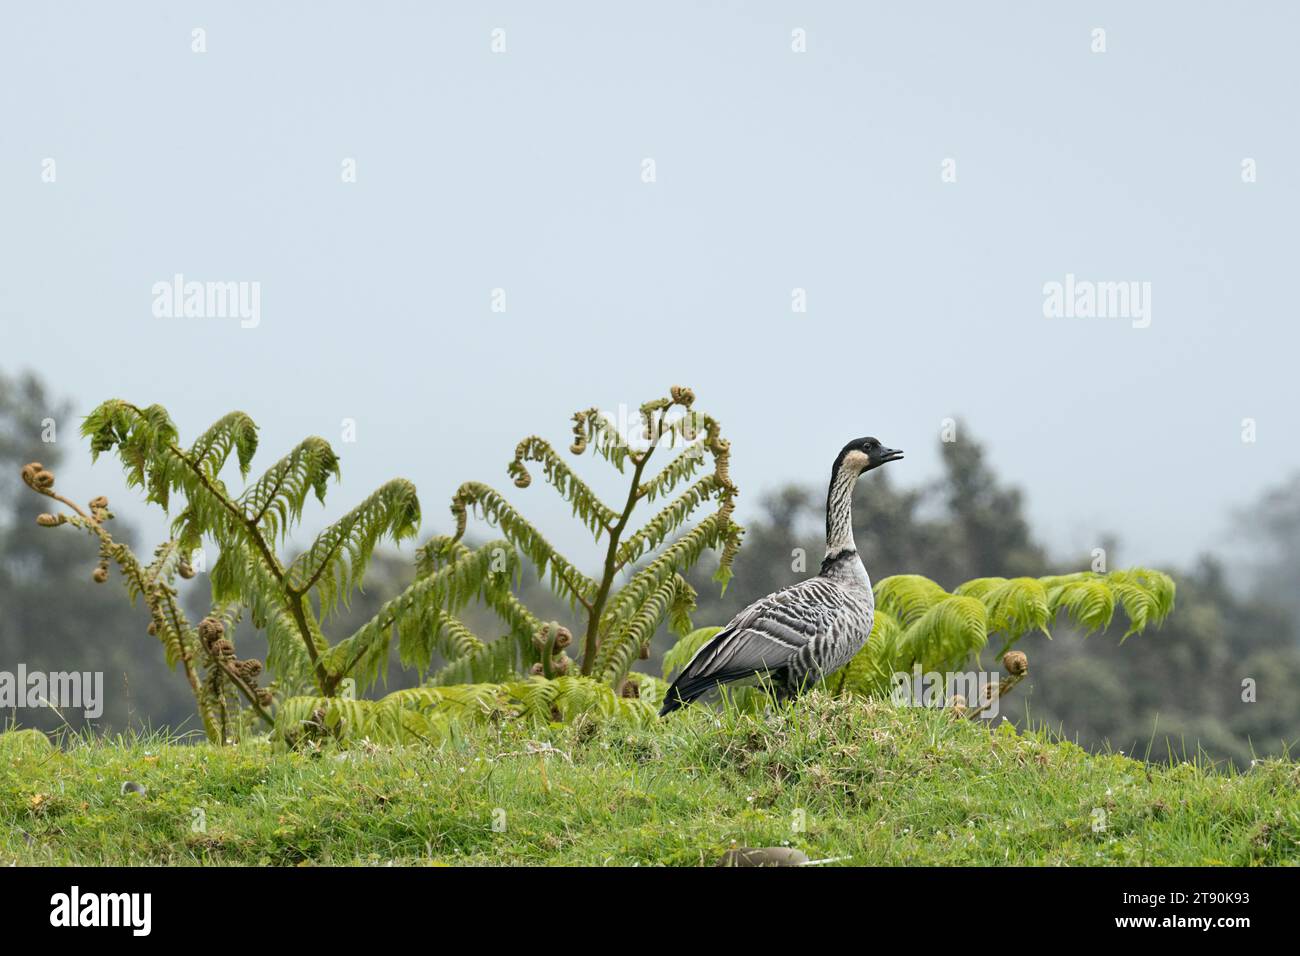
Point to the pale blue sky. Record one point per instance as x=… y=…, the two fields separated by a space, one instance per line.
x=775 y=170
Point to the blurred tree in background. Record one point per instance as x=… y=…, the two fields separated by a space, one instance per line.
x=1271 y=531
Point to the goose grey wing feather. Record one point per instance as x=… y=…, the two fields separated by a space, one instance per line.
x=769 y=633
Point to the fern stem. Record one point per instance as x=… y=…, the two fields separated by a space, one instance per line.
x=590 y=644
x=324 y=679
x=129 y=566
x=182 y=628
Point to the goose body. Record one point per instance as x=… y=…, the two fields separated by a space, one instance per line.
x=801 y=633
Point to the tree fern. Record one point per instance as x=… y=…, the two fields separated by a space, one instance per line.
x=285 y=600
x=616 y=623
x=937 y=633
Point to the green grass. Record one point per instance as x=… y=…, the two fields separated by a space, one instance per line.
x=872 y=783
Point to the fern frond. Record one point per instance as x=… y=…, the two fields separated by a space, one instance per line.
x=144 y=439
x=1087 y=600
x=677 y=558
x=587 y=507
x=563 y=576
x=687 y=429
x=430 y=714
x=437 y=552
x=1157 y=584
x=594 y=428
x=620 y=649
x=240 y=574
x=523 y=624
x=658 y=529
x=276 y=499
x=566 y=698
x=336 y=562
x=417 y=613
x=453 y=640
x=497 y=661
x=389 y=722
x=908 y=596
x=459 y=701
x=166 y=562
x=1140 y=602
x=234 y=432
x=681 y=468
x=949 y=633
x=1015 y=607
x=979 y=587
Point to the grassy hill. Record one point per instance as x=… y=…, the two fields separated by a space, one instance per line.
x=860 y=782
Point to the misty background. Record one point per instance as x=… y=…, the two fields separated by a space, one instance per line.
x=775 y=171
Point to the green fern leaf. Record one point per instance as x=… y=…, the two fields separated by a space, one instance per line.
x=586 y=506
x=951 y=632
x=336 y=562
x=234 y=432
x=1089 y=602
x=620 y=649
x=659 y=528
x=908 y=596
x=276 y=499
x=417 y=613
x=564 y=577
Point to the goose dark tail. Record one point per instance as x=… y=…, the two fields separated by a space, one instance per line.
x=690 y=687
x=672 y=701
x=683 y=692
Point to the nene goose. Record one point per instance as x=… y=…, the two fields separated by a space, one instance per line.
x=793 y=637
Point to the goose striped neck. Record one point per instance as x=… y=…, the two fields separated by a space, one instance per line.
x=839 y=504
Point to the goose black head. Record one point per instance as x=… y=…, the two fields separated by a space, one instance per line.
x=864 y=454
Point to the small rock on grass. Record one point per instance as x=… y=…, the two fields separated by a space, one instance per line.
x=764 y=856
